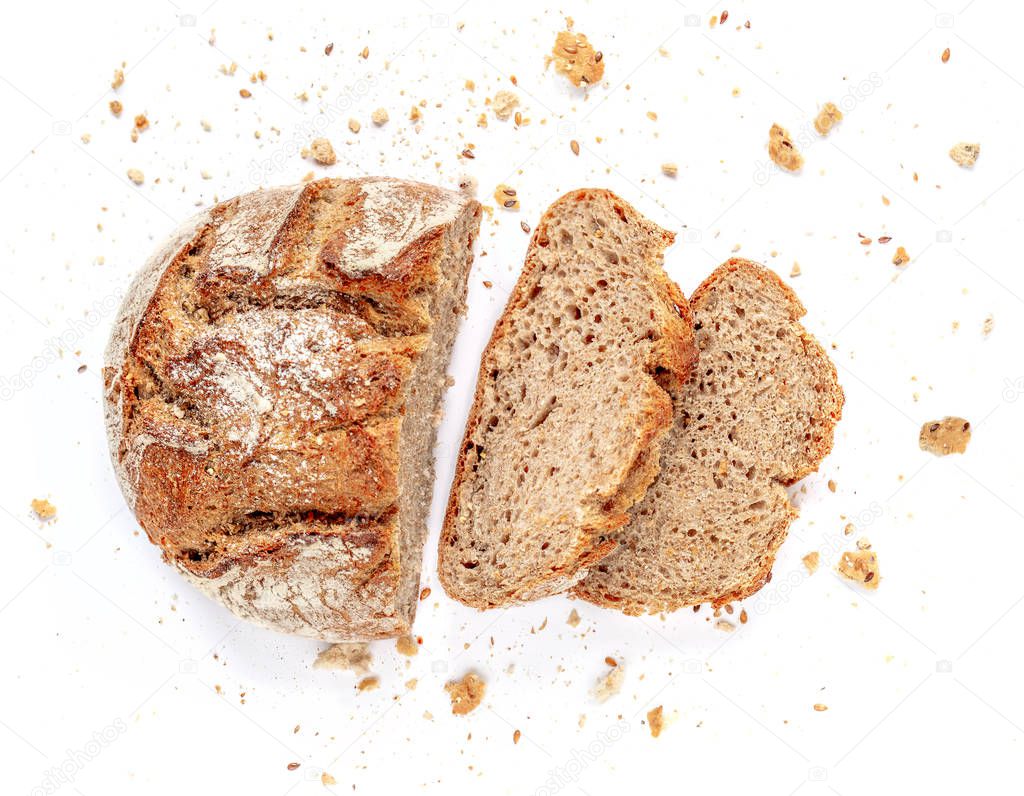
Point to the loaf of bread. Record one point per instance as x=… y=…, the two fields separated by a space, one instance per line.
x=758 y=414
x=272 y=387
x=573 y=398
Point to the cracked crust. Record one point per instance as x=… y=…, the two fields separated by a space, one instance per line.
x=270 y=389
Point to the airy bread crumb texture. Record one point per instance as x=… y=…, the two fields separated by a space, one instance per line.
x=347 y=656
x=572 y=400
x=782 y=150
x=757 y=415
x=575 y=57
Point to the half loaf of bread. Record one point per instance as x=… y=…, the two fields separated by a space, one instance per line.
x=573 y=399
x=757 y=415
x=272 y=385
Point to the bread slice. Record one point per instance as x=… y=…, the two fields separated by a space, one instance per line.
x=758 y=414
x=572 y=401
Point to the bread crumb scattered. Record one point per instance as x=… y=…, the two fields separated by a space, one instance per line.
x=412 y=683
x=516 y=736
x=574 y=618
x=503 y=104
x=782 y=151
x=326 y=779
x=900 y=257
x=860 y=566
x=828 y=117
x=576 y=58
x=820 y=707
x=812 y=561
x=407 y=646
x=354 y=126
x=323 y=152
x=116 y=107
x=351 y=656
x=986 y=327
x=725 y=626
x=370 y=683
x=669 y=169
x=136 y=176
x=656 y=720
x=44 y=509
x=609 y=685
x=942 y=437
x=506 y=197
x=965 y=155
x=379 y=117
x=465 y=694
x=795 y=270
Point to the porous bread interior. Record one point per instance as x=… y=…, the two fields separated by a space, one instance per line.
x=422 y=405
x=758 y=414
x=555 y=456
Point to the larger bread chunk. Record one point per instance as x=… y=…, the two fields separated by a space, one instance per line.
x=572 y=401
x=758 y=414
x=272 y=385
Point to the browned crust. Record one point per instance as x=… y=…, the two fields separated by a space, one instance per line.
x=363 y=255
x=832 y=405
x=672 y=362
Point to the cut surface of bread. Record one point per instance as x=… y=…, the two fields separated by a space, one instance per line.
x=758 y=414
x=272 y=385
x=572 y=401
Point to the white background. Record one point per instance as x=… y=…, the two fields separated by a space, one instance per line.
x=921 y=678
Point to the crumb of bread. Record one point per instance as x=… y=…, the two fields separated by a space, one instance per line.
x=669 y=169
x=411 y=684
x=116 y=107
x=326 y=779
x=407 y=646
x=781 y=149
x=244 y=93
x=611 y=683
x=828 y=117
x=44 y=509
x=370 y=683
x=725 y=626
x=965 y=155
x=860 y=566
x=379 y=117
x=323 y=152
x=942 y=437
x=136 y=176
x=354 y=126
x=986 y=327
x=574 y=618
x=465 y=694
x=352 y=656
x=141 y=122
x=118 y=80
x=849 y=528
x=575 y=57
x=812 y=561
x=656 y=720
x=795 y=270
x=503 y=104
x=818 y=706
x=900 y=257
x=506 y=197
x=364 y=53
x=516 y=736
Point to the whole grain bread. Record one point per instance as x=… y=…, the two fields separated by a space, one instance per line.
x=271 y=391
x=573 y=398
x=758 y=414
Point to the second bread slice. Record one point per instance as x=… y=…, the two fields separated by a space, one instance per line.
x=572 y=401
